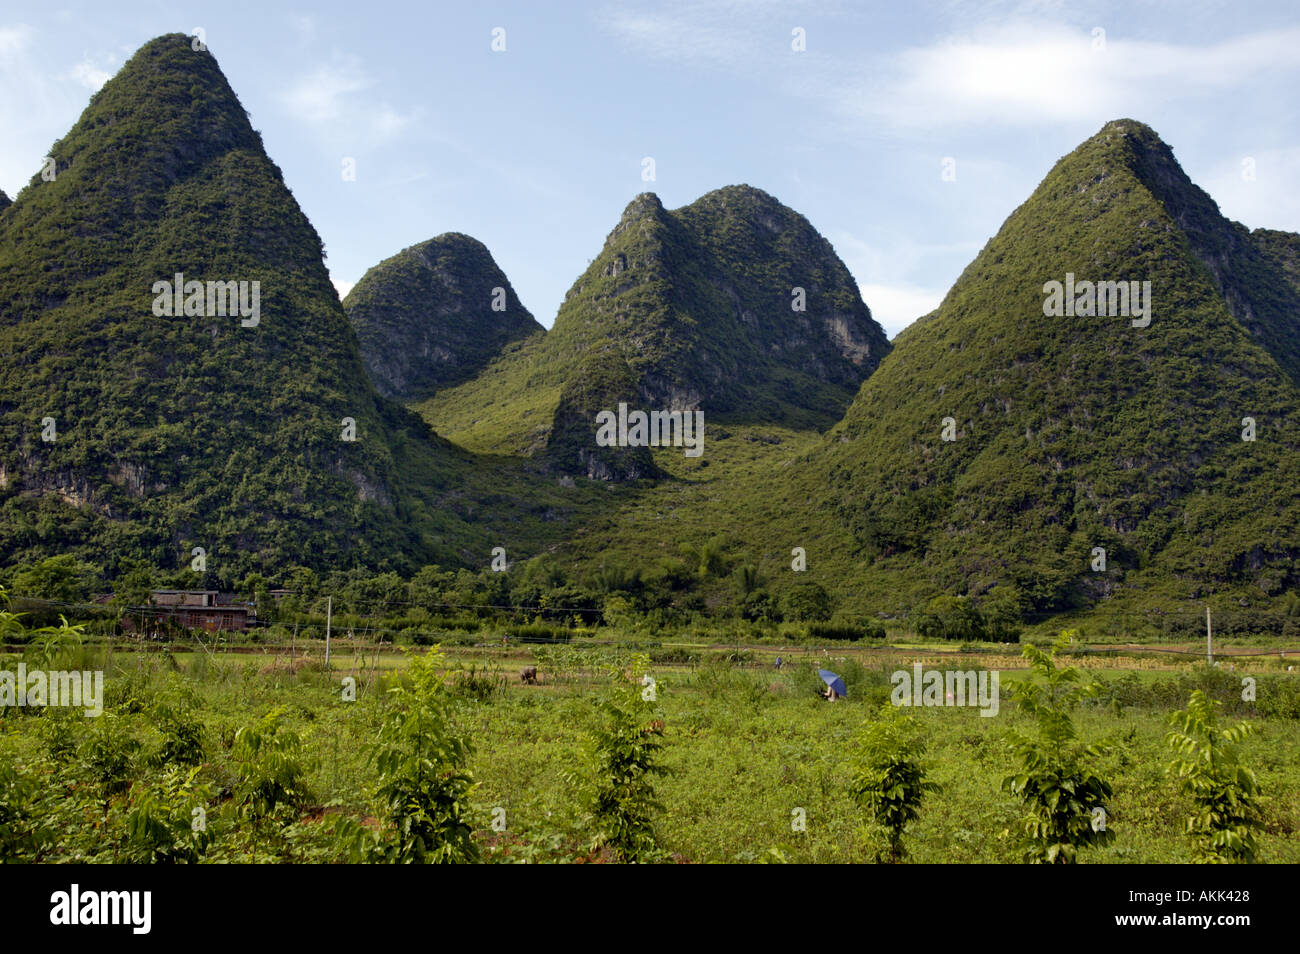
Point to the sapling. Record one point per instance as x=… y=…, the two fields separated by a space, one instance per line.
x=890 y=781
x=1058 y=780
x=424 y=783
x=621 y=798
x=1225 y=794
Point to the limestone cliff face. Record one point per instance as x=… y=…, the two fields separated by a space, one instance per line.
x=434 y=315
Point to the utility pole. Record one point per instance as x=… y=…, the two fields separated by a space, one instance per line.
x=329 y=615
x=1209 y=646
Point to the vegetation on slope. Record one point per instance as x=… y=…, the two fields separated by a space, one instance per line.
x=129 y=436
x=434 y=315
x=734 y=305
x=1074 y=433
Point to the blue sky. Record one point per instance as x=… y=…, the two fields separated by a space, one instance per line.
x=535 y=150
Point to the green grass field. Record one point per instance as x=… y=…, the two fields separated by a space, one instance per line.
x=752 y=751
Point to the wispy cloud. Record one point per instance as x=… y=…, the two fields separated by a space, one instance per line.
x=15 y=40
x=701 y=36
x=89 y=75
x=736 y=34
x=321 y=96
x=338 y=98
x=1020 y=65
x=1027 y=73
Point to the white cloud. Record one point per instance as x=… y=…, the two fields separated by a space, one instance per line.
x=897 y=306
x=89 y=75
x=1029 y=73
x=14 y=41
x=335 y=99
x=1017 y=68
x=319 y=97
x=389 y=122
x=342 y=287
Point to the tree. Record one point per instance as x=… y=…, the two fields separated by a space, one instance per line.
x=60 y=578
x=1225 y=794
x=747 y=580
x=614 y=577
x=424 y=782
x=709 y=559
x=761 y=606
x=621 y=798
x=1066 y=798
x=806 y=602
x=952 y=617
x=1003 y=610
x=134 y=584
x=890 y=781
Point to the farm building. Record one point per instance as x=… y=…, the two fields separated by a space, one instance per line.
x=191 y=609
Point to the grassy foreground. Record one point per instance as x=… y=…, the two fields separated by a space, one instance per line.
x=754 y=756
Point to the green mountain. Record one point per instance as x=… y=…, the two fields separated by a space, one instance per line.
x=5 y=201
x=129 y=426
x=733 y=305
x=1084 y=430
x=434 y=315
x=1279 y=253
x=1253 y=272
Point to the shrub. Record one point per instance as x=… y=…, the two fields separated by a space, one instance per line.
x=1056 y=779
x=182 y=731
x=108 y=755
x=675 y=655
x=1225 y=794
x=889 y=780
x=849 y=631
x=621 y=799
x=161 y=826
x=270 y=767
x=424 y=784
x=538 y=633
x=479 y=684
x=58 y=729
x=22 y=831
